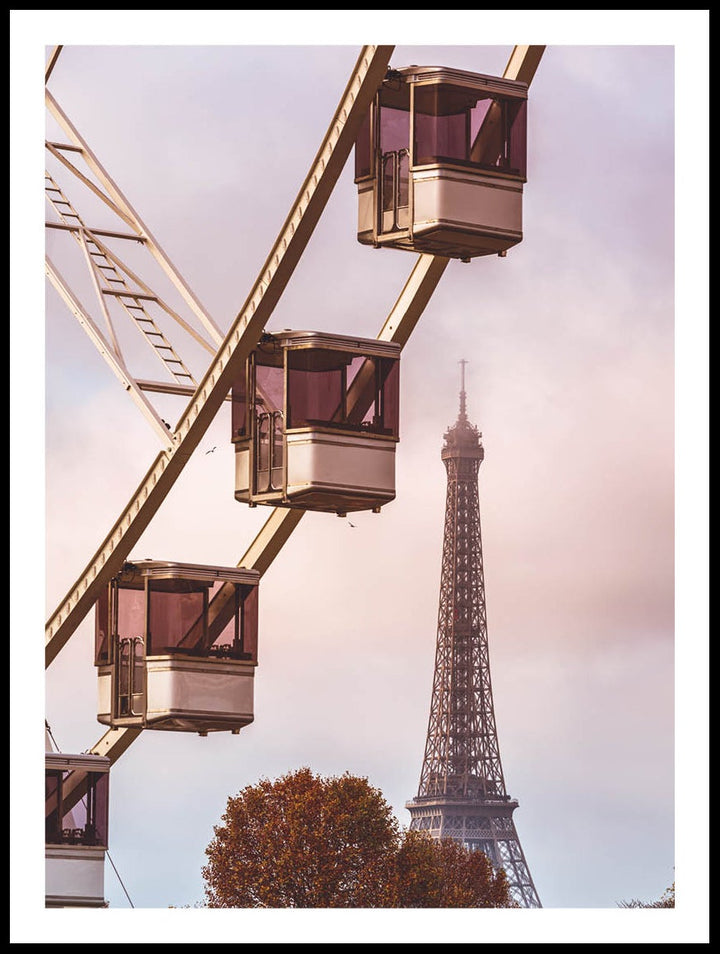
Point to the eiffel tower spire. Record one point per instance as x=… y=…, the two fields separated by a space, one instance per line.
x=462 y=791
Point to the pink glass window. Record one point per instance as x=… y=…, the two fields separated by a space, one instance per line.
x=130 y=612
x=517 y=135
x=458 y=125
x=199 y=619
x=53 y=809
x=343 y=390
x=176 y=616
x=316 y=380
x=363 y=149
x=388 y=395
x=239 y=408
x=102 y=628
x=373 y=386
x=394 y=128
x=233 y=621
x=249 y=620
x=394 y=147
x=269 y=385
x=86 y=821
x=269 y=400
x=441 y=124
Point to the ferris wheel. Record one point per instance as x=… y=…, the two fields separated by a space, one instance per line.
x=439 y=166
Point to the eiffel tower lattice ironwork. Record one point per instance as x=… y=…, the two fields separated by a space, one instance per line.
x=462 y=792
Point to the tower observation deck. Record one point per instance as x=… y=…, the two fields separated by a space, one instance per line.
x=462 y=792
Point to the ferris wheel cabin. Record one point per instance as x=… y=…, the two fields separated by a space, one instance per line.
x=76 y=829
x=440 y=163
x=315 y=421
x=176 y=647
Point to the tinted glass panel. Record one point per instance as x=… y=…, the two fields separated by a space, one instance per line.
x=263 y=443
x=137 y=702
x=96 y=825
x=53 y=820
x=389 y=392
x=347 y=391
x=315 y=386
x=239 y=407
x=250 y=620
x=361 y=390
x=363 y=149
x=176 y=615
x=442 y=115
x=86 y=821
x=223 y=619
x=130 y=685
x=457 y=125
x=269 y=385
x=130 y=612
x=123 y=676
x=387 y=200
x=394 y=129
x=102 y=625
x=478 y=113
x=403 y=176
x=373 y=393
x=517 y=123
x=232 y=621
x=278 y=447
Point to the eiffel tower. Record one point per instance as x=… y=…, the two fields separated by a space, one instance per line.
x=462 y=792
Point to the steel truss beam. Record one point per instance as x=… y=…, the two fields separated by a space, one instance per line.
x=110 y=354
x=398 y=326
x=406 y=311
x=238 y=343
x=113 y=197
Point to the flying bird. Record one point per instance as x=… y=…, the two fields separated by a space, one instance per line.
x=211 y=450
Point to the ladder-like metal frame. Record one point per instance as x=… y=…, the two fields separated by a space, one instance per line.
x=231 y=350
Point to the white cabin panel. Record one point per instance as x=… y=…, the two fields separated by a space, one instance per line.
x=74 y=876
x=183 y=687
x=450 y=198
x=340 y=462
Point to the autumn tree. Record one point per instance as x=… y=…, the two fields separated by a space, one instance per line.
x=305 y=841
x=444 y=874
x=667 y=900
x=301 y=841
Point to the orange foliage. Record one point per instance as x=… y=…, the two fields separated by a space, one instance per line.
x=308 y=842
x=445 y=874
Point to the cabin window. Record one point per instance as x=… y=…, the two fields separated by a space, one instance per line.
x=239 y=407
x=176 y=616
x=363 y=148
x=232 y=621
x=269 y=385
x=394 y=147
x=457 y=125
x=102 y=629
x=341 y=390
x=316 y=387
x=79 y=818
x=130 y=621
x=201 y=619
x=394 y=120
x=125 y=616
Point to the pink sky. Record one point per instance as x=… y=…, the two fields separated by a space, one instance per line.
x=577 y=345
